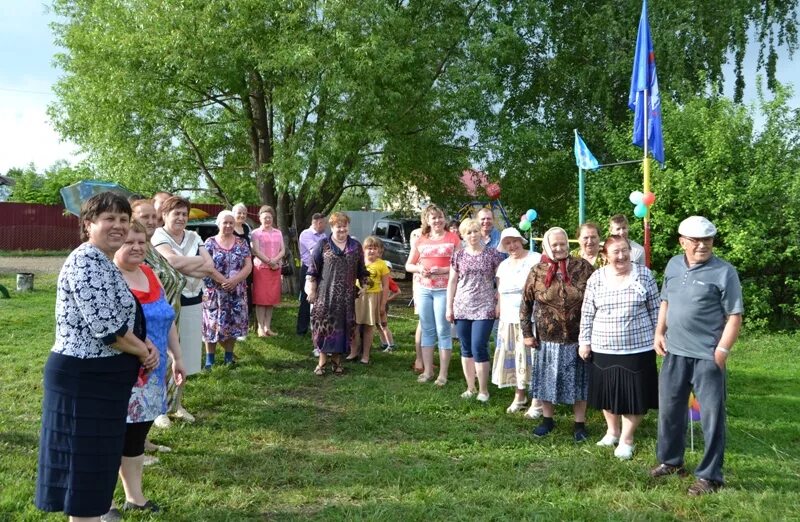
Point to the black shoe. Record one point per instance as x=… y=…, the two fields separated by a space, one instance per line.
x=663 y=470
x=543 y=429
x=580 y=435
x=113 y=515
x=704 y=487
x=150 y=506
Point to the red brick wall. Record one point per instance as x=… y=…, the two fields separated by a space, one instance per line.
x=31 y=226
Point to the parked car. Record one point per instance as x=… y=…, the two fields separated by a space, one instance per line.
x=395 y=232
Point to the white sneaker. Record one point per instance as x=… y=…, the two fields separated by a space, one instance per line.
x=534 y=412
x=483 y=397
x=182 y=414
x=162 y=421
x=468 y=394
x=241 y=338
x=624 y=451
x=608 y=440
x=315 y=352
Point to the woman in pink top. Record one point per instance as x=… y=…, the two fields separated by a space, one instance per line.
x=267 y=247
x=430 y=258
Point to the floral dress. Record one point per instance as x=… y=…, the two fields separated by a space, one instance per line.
x=225 y=314
x=333 y=316
x=149 y=395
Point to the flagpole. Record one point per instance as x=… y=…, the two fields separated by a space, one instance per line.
x=646 y=183
x=581 y=197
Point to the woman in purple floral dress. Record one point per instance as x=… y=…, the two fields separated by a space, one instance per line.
x=472 y=303
x=337 y=263
x=225 y=315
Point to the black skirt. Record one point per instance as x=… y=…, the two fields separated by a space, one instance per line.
x=623 y=384
x=83 y=428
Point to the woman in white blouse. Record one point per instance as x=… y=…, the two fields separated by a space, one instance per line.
x=184 y=250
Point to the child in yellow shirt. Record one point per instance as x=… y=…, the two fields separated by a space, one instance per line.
x=372 y=301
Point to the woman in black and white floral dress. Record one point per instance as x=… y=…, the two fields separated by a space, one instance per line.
x=99 y=349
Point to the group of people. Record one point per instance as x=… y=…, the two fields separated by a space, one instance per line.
x=139 y=296
x=583 y=328
x=135 y=304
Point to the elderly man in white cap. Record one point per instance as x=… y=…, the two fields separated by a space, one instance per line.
x=698 y=323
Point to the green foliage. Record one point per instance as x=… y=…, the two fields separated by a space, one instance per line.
x=32 y=187
x=274 y=442
x=290 y=102
x=354 y=198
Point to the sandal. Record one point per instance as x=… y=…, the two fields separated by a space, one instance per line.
x=338 y=369
x=319 y=371
x=440 y=382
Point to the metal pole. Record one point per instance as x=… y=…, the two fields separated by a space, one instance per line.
x=581 y=197
x=646 y=184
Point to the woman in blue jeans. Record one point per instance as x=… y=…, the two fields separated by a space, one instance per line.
x=472 y=302
x=430 y=258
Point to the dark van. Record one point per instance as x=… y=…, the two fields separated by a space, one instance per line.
x=395 y=232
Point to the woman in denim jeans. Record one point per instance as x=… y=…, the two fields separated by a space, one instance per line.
x=430 y=258
x=471 y=303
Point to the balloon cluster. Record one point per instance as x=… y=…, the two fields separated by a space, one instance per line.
x=526 y=219
x=643 y=202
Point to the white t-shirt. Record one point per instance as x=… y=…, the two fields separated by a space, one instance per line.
x=510 y=284
x=188 y=247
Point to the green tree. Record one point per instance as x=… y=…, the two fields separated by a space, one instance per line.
x=32 y=187
x=297 y=101
x=553 y=66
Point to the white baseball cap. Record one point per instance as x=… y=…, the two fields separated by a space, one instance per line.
x=697 y=226
x=510 y=232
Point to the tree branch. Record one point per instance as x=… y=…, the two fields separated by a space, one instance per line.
x=203 y=167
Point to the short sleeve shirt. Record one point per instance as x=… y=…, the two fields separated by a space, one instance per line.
x=700 y=299
x=475 y=293
x=269 y=243
x=190 y=246
x=511 y=277
x=377 y=269
x=433 y=253
x=93 y=305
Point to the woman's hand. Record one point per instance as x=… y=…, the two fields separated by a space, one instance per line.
x=150 y=361
x=178 y=372
x=229 y=285
x=530 y=342
x=449 y=315
x=585 y=351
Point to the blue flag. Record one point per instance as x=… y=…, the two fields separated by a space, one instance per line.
x=644 y=78
x=583 y=158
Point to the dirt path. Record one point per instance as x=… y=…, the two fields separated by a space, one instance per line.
x=36 y=265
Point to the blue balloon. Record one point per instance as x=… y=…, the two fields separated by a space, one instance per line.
x=640 y=210
x=531 y=215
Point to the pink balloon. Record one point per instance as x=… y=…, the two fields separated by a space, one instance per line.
x=649 y=198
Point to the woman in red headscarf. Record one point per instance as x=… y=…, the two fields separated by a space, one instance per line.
x=555 y=286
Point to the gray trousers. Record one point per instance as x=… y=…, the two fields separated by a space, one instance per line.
x=679 y=375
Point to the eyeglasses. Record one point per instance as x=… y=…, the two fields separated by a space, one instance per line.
x=697 y=240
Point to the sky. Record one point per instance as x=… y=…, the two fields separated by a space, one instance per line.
x=27 y=75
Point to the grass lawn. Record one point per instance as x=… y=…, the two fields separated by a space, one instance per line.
x=274 y=442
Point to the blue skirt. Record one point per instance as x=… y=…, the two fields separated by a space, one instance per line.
x=83 y=428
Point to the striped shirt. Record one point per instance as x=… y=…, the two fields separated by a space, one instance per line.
x=620 y=319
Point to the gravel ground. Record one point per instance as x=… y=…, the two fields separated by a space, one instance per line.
x=37 y=265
